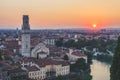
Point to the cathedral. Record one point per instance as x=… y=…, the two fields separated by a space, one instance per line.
x=39 y=51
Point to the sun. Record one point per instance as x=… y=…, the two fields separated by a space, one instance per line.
x=94 y=25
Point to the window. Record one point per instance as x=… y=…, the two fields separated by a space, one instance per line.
x=26 y=46
x=26 y=22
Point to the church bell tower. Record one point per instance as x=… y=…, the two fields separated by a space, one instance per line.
x=25 y=43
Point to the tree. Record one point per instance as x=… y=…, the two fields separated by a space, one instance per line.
x=79 y=65
x=0 y=56
x=115 y=67
x=65 y=57
x=59 y=43
x=70 y=43
x=89 y=56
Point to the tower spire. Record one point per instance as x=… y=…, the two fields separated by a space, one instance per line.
x=25 y=25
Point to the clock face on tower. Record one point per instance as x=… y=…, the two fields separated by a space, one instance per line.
x=26 y=38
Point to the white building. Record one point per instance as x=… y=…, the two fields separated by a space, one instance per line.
x=50 y=41
x=25 y=43
x=75 y=55
x=40 y=51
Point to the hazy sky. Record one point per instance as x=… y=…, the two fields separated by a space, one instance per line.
x=60 y=13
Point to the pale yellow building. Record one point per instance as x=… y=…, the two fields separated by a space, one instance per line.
x=42 y=68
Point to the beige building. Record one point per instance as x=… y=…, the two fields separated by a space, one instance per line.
x=43 y=68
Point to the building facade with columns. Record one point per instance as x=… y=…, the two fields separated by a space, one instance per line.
x=44 y=68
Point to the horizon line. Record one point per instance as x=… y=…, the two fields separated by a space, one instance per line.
x=54 y=28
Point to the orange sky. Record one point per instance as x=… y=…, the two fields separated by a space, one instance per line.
x=60 y=13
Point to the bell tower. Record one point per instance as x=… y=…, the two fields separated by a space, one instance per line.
x=25 y=43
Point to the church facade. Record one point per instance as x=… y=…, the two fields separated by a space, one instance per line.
x=39 y=51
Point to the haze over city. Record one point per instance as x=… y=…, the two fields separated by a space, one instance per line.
x=59 y=39
x=54 y=14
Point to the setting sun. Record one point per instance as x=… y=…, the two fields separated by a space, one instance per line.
x=94 y=25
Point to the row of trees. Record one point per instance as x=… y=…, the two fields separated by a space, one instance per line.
x=104 y=58
x=88 y=77
x=101 y=44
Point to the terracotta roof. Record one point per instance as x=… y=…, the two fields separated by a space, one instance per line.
x=9 y=52
x=5 y=65
x=26 y=59
x=45 y=61
x=12 y=44
x=32 y=68
x=49 y=61
x=78 y=54
x=34 y=42
x=64 y=52
x=17 y=70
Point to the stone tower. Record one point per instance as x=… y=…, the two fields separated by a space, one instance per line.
x=25 y=43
